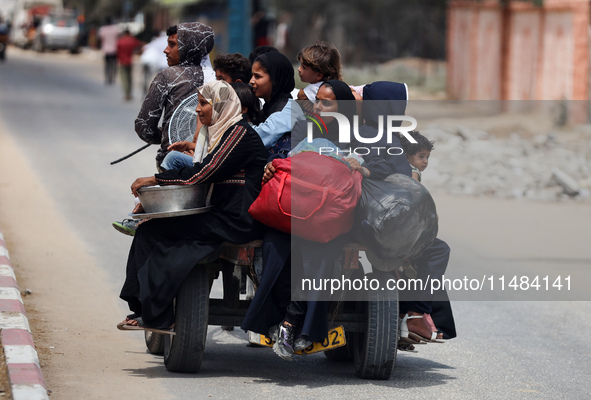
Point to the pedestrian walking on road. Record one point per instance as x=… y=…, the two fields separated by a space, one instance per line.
x=108 y=35
x=126 y=45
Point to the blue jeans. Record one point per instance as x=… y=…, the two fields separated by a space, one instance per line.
x=176 y=160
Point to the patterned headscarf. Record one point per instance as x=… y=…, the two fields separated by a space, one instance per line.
x=227 y=111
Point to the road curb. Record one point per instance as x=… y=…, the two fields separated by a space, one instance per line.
x=22 y=361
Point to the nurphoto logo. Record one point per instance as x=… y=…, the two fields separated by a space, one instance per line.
x=393 y=124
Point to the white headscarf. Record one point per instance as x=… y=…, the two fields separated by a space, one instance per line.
x=226 y=111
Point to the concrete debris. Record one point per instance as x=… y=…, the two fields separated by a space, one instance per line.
x=551 y=167
x=571 y=187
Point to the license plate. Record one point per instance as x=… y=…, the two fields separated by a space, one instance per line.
x=336 y=338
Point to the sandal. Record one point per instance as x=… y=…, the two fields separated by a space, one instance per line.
x=429 y=320
x=126 y=326
x=413 y=337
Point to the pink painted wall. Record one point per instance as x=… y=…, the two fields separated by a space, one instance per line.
x=523 y=55
x=521 y=52
x=488 y=45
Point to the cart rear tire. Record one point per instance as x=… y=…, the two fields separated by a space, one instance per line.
x=183 y=352
x=374 y=349
x=154 y=342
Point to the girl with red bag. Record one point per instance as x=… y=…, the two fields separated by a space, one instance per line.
x=293 y=325
x=390 y=98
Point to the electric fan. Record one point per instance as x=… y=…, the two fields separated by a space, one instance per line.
x=183 y=122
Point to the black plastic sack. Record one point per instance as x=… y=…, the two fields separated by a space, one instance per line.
x=396 y=219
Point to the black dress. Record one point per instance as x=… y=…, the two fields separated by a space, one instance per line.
x=273 y=300
x=164 y=251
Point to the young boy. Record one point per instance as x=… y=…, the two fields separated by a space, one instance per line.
x=418 y=153
x=232 y=68
x=318 y=63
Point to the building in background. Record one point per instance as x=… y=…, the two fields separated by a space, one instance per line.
x=518 y=50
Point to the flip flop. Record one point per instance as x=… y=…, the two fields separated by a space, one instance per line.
x=124 y=326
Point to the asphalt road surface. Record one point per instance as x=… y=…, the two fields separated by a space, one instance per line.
x=70 y=126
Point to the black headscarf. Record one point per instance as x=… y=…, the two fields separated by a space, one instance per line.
x=347 y=107
x=281 y=73
x=346 y=102
x=341 y=90
x=390 y=99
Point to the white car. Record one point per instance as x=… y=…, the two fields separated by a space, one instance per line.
x=57 y=32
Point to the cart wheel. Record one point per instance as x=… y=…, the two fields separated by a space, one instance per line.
x=374 y=349
x=183 y=352
x=154 y=342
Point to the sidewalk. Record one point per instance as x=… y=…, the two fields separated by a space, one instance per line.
x=24 y=372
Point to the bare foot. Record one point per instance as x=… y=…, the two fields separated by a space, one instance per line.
x=138 y=209
x=130 y=321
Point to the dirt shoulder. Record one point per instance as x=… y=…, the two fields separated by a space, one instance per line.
x=71 y=308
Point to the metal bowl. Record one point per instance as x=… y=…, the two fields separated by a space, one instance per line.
x=156 y=199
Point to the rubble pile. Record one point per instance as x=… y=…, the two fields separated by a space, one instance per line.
x=546 y=167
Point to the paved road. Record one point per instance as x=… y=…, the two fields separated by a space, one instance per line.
x=72 y=126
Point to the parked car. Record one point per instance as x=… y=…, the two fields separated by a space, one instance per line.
x=26 y=18
x=57 y=32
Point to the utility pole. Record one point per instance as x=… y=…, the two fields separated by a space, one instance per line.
x=126 y=10
x=239 y=28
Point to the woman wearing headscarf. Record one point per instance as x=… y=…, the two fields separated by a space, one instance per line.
x=272 y=80
x=335 y=96
x=293 y=325
x=332 y=91
x=381 y=99
x=165 y=250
